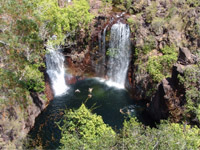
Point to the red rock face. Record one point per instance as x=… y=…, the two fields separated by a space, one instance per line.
x=87 y=59
x=48 y=89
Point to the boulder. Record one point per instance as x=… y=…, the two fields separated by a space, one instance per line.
x=158 y=108
x=170 y=97
x=166 y=102
x=185 y=56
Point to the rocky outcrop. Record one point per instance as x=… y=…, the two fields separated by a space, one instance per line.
x=185 y=56
x=14 y=125
x=79 y=63
x=170 y=96
x=167 y=102
x=153 y=25
x=85 y=57
x=48 y=90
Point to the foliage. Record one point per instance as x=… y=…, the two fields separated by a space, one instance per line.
x=134 y=135
x=21 y=52
x=155 y=68
x=112 y=52
x=59 y=20
x=34 y=78
x=159 y=66
x=167 y=136
x=125 y=3
x=139 y=5
x=158 y=25
x=148 y=46
x=128 y=4
x=130 y=20
x=151 y=12
x=82 y=129
x=134 y=24
x=191 y=82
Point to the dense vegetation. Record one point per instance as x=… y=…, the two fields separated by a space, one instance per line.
x=83 y=130
x=21 y=52
x=190 y=81
x=160 y=29
x=159 y=66
x=25 y=26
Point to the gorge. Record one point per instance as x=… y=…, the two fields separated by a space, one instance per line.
x=105 y=97
x=99 y=74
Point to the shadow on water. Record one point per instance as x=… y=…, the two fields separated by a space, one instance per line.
x=108 y=102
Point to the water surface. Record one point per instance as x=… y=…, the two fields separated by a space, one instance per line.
x=109 y=102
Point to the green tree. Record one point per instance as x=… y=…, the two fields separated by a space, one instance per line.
x=191 y=83
x=160 y=66
x=83 y=130
x=21 y=56
x=167 y=136
x=21 y=52
x=57 y=20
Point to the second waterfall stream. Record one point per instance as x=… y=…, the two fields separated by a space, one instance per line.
x=56 y=71
x=119 y=52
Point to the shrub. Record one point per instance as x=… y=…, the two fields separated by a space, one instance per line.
x=167 y=136
x=158 y=25
x=83 y=130
x=139 y=5
x=149 y=45
x=151 y=12
x=160 y=66
x=191 y=82
x=155 y=68
x=59 y=20
x=22 y=53
x=134 y=24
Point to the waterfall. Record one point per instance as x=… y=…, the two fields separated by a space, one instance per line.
x=56 y=71
x=100 y=66
x=119 y=52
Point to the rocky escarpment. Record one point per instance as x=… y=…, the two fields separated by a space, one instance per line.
x=151 y=75
x=154 y=29
x=14 y=125
x=85 y=55
x=170 y=99
x=165 y=39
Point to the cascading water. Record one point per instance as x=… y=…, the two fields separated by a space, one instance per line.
x=100 y=66
x=119 y=52
x=110 y=103
x=56 y=71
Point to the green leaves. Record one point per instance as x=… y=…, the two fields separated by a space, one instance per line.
x=59 y=20
x=167 y=136
x=191 y=82
x=82 y=129
x=159 y=66
x=155 y=68
x=22 y=55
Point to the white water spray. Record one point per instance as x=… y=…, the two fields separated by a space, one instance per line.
x=100 y=66
x=119 y=52
x=56 y=71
